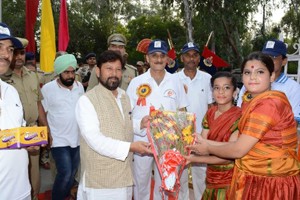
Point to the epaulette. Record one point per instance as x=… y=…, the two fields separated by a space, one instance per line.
x=48 y=73
x=40 y=72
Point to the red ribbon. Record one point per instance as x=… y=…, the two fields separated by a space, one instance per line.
x=141 y=101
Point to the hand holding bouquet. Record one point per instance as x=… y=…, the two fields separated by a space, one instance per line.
x=169 y=132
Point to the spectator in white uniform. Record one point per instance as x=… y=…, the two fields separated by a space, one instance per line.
x=199 y=93
x=157 y=88
x=103 y=115
x=14 y=180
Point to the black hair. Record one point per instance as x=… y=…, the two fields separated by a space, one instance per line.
x=225 y=74
x=110 y=56
x=264 y=58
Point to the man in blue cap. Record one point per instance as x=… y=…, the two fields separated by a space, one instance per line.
x=27 y=84
x=198 y=89
x=157 y=88
x=277 y=50
x=14 y=181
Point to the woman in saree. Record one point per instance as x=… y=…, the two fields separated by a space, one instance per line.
x=220 y=124
x=266 y=164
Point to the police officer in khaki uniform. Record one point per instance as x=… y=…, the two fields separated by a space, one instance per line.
x=30 y=63
x=117 y=42
x=27 y=84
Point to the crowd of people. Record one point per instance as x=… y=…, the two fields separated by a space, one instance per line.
x=97 y=116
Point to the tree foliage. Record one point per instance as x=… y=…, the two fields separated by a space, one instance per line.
x=91 y=22
x=291 y=20
x=227 y=19
x=153 y=27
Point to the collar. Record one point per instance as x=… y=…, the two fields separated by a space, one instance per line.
x=149 y=77
x=3 y=87
x=25 y=71
x=197 y=76
x=120 y=93
x=282 y=78
x=75 y=85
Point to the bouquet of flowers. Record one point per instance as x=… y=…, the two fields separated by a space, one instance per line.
x=169 y=133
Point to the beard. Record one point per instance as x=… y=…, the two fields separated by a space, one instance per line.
x=66 y=82
x=111 y=83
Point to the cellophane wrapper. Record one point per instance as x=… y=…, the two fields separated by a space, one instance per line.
x=169 y=132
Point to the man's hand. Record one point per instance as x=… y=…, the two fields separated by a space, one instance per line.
x=33 y=150
x=144 y=122
x=50 y=139
x=140 y=147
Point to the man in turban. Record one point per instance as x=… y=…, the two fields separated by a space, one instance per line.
x=60 y=98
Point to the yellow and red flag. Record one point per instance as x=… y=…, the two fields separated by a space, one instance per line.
x=47 y=42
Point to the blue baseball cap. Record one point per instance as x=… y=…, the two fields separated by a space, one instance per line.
x=90 y=55
x=29 y=56
x=158 y=46
x=6 y=35
x=274 y=48
x=189 y=46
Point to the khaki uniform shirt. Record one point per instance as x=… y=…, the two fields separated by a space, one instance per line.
x=48 y=77
x=127 y=75
x=41 y=77
x=28 y=87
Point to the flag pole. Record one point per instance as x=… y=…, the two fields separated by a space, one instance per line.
x=211 y=33
x=170 y=39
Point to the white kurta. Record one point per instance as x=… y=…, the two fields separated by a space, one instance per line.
x=89 y=125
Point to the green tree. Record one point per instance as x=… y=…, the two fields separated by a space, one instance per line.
x=153 y=27
x=227 y=19
x=291 y=20
x=13 y=14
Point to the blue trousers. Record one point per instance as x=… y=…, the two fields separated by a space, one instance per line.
x=67 y=161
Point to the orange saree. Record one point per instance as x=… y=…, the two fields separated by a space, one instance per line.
x=218 y=177
x=270 y=170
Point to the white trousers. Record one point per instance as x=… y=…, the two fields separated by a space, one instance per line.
x=198 y=177
x=142 y=173
x=184 y=185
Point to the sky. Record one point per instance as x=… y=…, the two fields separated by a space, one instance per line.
x=276 y=17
